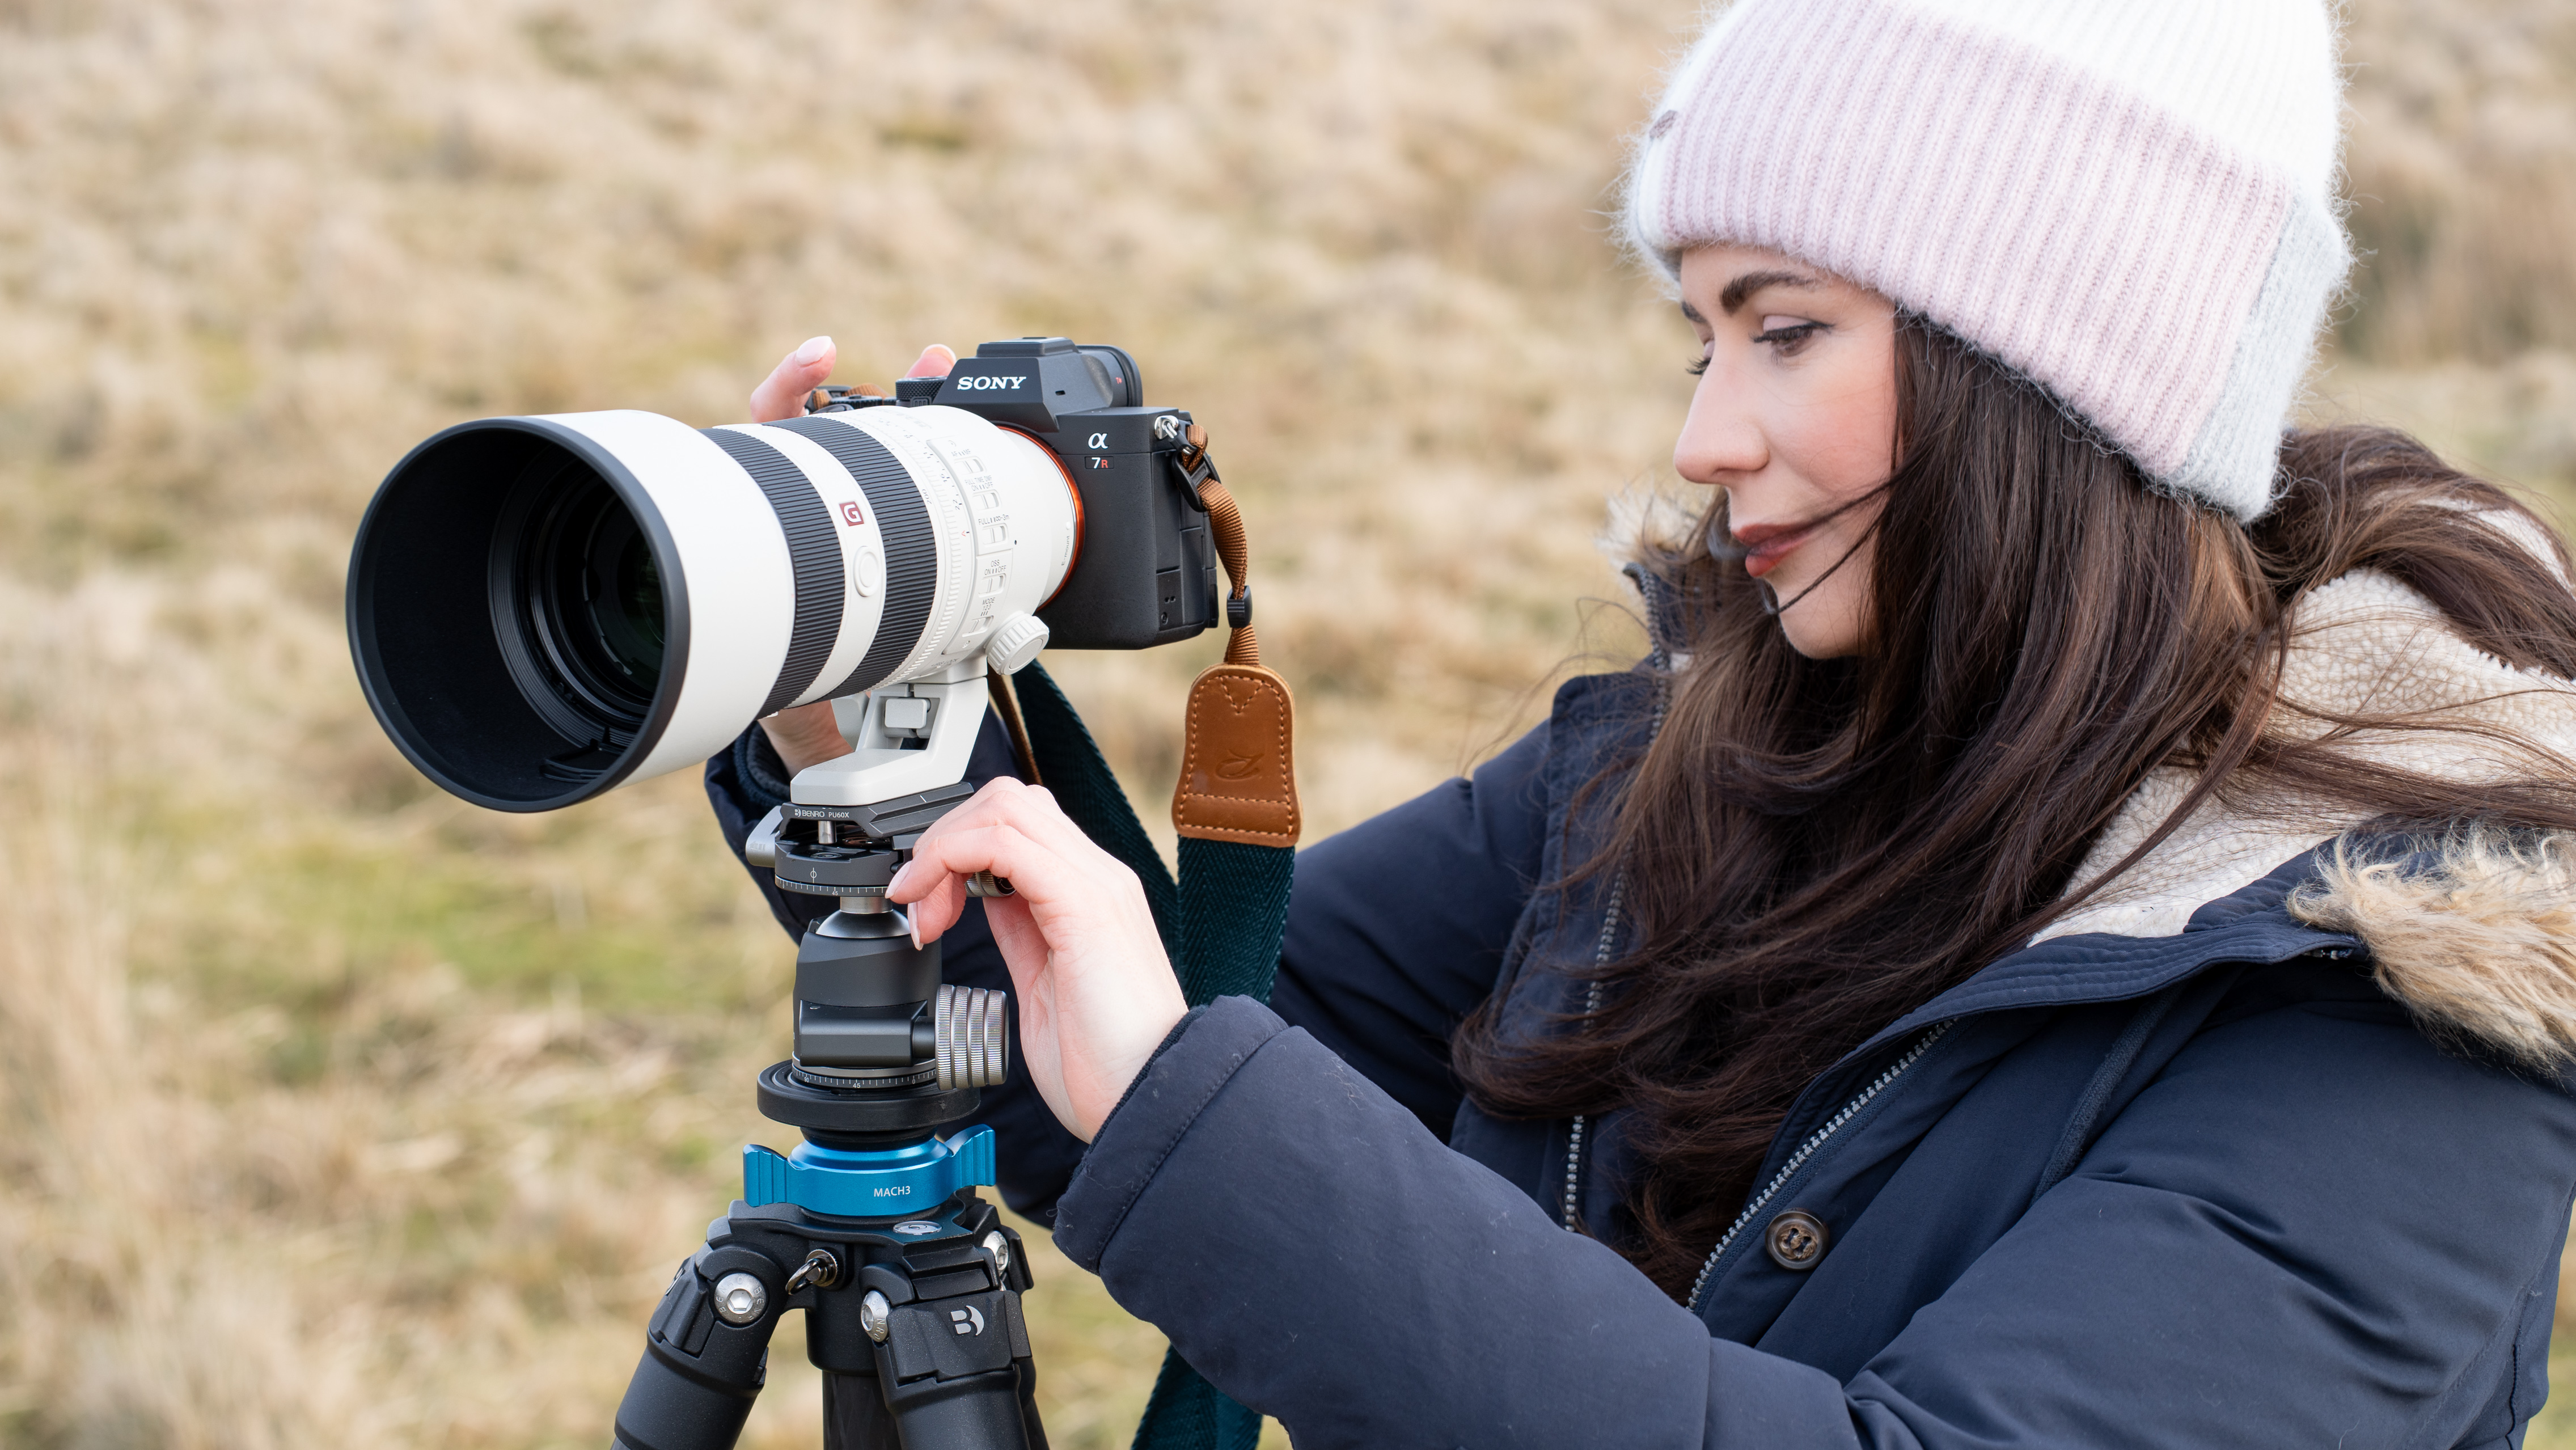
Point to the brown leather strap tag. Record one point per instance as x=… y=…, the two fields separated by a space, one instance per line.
x=1238 y=763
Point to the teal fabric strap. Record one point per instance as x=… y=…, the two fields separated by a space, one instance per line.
x=1234 y=913
x=1188 y=1413
x=1078 y=776
x=1221 y=924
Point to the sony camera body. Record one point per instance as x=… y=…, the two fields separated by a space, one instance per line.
x=1145 y=572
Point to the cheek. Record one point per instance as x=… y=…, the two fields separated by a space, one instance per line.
x=1845 y=444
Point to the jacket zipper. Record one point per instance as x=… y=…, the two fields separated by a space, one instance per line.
x=1591 y=1005
x=1648 y=588
x=1807 y=1150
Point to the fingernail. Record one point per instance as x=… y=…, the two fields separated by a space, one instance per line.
x=813 y=350
x=894 y=883
x=914 y=931
x=935 y=361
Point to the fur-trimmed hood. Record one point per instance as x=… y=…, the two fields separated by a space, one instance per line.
x=2482 y=945
x=2481 y=942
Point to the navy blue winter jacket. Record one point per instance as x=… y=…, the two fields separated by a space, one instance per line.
x=2216 y=1187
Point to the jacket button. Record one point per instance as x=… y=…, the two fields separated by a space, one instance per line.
x=1795 y=1240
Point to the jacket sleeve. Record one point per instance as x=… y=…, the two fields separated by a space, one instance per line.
x=1313 y=1251
x=1396 y=927
x=2295 y=1235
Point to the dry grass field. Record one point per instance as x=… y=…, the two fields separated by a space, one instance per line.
x=342 y=1113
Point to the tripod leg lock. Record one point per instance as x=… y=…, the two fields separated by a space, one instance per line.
x=701 y=1370
x=955 y=1337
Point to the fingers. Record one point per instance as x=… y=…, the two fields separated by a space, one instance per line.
x=1023 y=943
x=1014 y=831
x=936 y=876
x=782 y=394
x=1096 y=988
x=1031 y=811
x=938 y=909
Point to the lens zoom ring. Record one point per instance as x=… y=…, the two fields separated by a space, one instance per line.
x=912 y=551
x=814 y=552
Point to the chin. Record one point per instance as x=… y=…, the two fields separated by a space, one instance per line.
x=1830 y=622
x=1823 y=633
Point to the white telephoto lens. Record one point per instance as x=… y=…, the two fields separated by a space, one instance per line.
x=543 y=608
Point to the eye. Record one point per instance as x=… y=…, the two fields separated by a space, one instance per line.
x=1697 y=365
x=1788 y=334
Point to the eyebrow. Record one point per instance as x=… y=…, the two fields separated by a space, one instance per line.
x=1742 y=288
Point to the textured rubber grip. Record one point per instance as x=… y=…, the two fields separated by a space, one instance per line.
x=813 y=551
x=912 y=552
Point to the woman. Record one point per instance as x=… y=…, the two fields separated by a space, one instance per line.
x=2068 y=941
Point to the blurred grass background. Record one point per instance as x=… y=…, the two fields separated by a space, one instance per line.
x=340 y=1112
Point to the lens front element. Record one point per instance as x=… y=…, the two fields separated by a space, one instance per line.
x=593 y=597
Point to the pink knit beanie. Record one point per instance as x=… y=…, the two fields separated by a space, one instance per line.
x=2130 y=201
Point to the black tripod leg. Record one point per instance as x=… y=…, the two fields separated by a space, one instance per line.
x=1029 y=1404
x=855 y=1415
x=700 y=1372
x=968 y=1414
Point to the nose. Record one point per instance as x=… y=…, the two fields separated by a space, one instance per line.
x=1719 y=441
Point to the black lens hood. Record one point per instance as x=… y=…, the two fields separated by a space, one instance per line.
x=467 y=703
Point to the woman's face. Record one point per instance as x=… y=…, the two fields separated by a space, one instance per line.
x=1795 y=417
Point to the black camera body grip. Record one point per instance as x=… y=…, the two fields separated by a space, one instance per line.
x=1146 y=571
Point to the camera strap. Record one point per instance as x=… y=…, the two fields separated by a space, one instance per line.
x=1235 y=808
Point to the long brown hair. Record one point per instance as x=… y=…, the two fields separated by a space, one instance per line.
x=1811 y=848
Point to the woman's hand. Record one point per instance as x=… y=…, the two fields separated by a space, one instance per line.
x=807 y=735
x=1096 y=993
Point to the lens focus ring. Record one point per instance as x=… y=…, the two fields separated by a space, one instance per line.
x=972 y=1026
x=912 y=550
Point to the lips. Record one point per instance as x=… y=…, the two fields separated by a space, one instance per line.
x=1765 y=545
